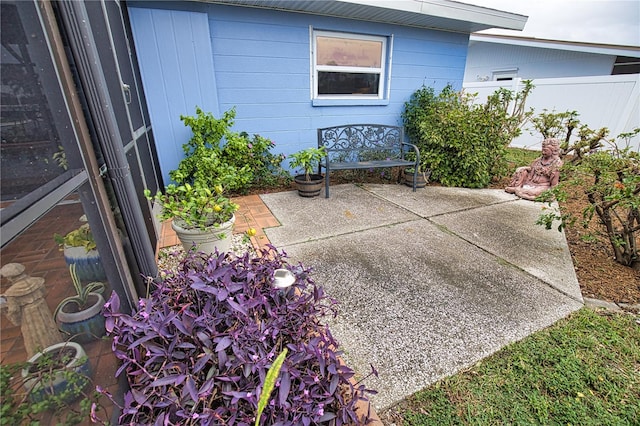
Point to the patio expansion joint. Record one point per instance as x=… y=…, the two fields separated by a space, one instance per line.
x=356 y=231
x=435 y=215
x=503 y=261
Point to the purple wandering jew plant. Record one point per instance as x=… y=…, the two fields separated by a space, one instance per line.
x=198 y=349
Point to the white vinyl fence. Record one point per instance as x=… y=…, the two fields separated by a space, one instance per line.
x=610 y=101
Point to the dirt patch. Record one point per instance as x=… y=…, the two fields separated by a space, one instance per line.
x=599 y=275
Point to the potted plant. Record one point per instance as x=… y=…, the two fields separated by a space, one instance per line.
x=202 y=218
x=208 y=335
x=50 y=381
x=422 y=178
x=79 y=248
x=308 y=184
x=80 y=316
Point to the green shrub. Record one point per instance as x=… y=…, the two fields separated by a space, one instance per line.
x=217 y=156
x=240 y=151
x=203 y=162
x=559 y=125
x=462 y=142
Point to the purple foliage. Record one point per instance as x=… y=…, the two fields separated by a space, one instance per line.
x=198 y=349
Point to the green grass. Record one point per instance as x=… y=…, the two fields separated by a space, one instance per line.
x=584 y=370
x=517 y=157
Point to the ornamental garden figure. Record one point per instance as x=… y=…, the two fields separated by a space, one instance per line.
x=530 y=181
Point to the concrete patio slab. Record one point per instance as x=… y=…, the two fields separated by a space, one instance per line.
x=425 y=288
x=436 y=200
x=350 y=209
x=509 y=231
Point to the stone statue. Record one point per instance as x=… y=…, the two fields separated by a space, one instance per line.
x=530 y=181
x=26 y=307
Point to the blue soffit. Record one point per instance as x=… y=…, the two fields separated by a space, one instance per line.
x=431 y=14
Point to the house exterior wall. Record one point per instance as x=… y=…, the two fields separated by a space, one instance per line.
x=532 y=62
x=258 y=61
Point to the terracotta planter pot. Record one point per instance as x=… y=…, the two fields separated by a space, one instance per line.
x=208 y=240
x=309 y=188
x=85 y=325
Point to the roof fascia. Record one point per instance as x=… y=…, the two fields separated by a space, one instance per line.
x=603 y=49
x=432 y=14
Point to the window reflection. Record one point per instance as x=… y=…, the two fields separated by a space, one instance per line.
x=349 y=52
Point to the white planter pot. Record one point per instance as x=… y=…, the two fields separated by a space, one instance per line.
x=208 y=240
x=78 y=362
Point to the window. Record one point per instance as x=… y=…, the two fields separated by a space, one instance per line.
x=505 y=74
x=348 y=66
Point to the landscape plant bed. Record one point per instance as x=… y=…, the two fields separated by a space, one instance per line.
x=599 y=275
x=198 y=348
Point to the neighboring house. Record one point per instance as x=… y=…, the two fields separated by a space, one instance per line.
x=290 y=67
x=601 y=82
x=500 y=57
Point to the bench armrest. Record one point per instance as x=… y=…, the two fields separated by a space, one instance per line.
x=415 y=150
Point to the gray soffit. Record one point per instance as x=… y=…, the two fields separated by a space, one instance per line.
x=434 y=14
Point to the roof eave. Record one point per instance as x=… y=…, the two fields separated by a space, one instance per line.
x=433 y=14
x=517 y=40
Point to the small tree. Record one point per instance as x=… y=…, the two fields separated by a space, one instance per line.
x=216 y=155
x=610 y=179
x=559 y=125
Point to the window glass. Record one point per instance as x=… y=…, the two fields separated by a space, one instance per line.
x=347 y=83
x=349 y=52
x=348 y=66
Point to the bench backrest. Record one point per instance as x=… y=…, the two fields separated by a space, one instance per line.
x=361 y=142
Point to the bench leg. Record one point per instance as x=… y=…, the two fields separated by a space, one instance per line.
x=326 y=184
x=415 y=178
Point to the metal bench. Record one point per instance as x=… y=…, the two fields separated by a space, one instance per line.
x=365 y=146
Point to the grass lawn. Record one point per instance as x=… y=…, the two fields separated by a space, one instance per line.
x=584 y=370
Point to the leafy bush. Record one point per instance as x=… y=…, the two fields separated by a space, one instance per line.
x=610 y=179
x=463 y=143
x=203 y=162
x=217 y=156
x=255 y=153
x=559 y=125
x=198 y=350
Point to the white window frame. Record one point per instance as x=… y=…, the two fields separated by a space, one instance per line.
x=383 y=70
x=504 y=74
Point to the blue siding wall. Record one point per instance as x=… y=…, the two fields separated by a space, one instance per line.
x=174 y=52
x=261 y=66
